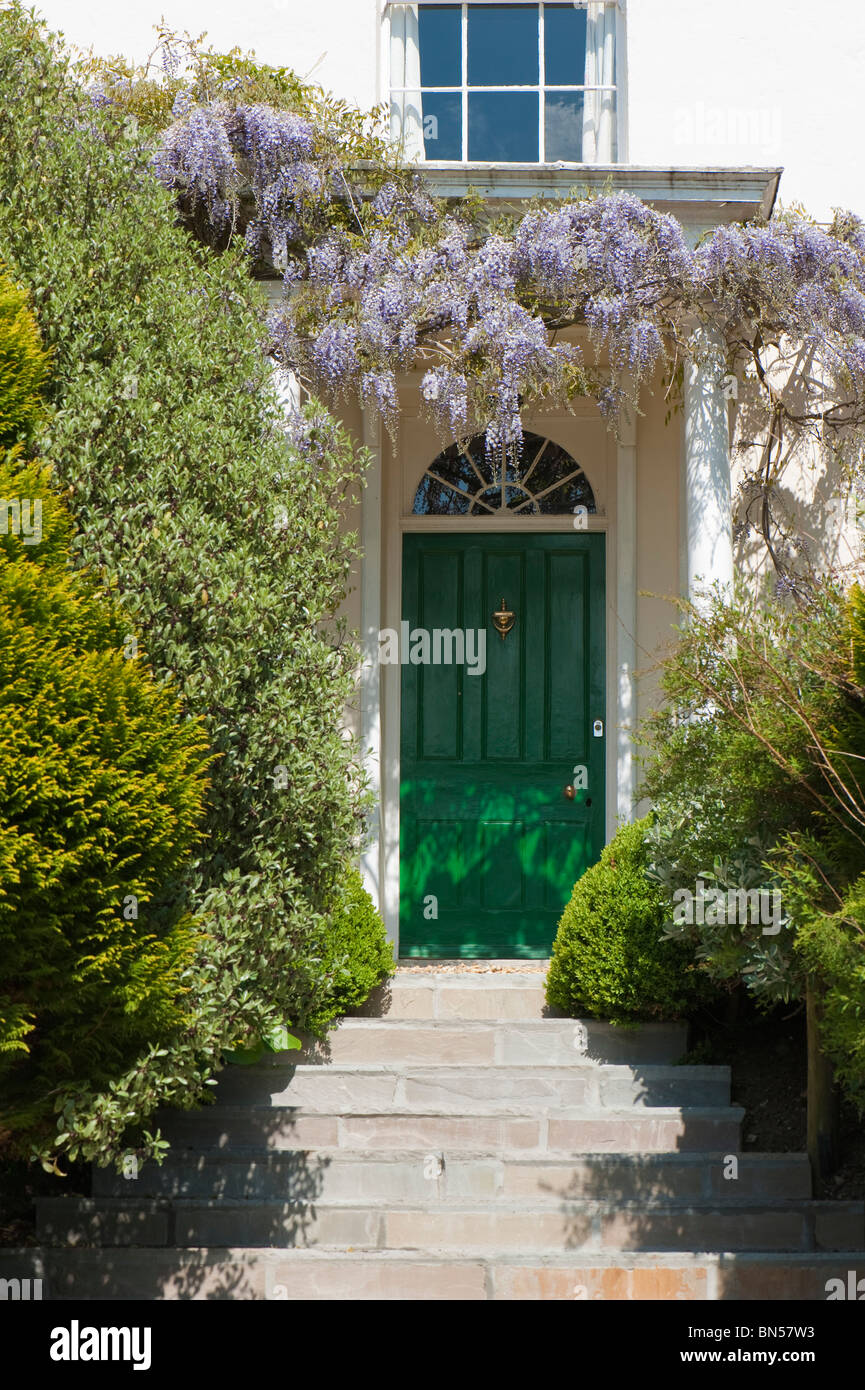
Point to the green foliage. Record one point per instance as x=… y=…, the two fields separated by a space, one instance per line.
x=716 y=773
x=183 y=71
x=222 y=543
x=609 y=959
x=856 y=627
x=182 y=67
x=354 y=957
x=756 y=770
x=23 y=363
x=101 y=792
x=732 y=950
x=277 y=1040
x=356 y=954
x=757 y=741
x=830 y=947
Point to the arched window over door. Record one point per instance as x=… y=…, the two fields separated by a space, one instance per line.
x=540 y=479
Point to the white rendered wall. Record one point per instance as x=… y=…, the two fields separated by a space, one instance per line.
x=746 y=82
x=752 y=82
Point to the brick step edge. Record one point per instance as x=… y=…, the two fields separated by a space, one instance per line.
x=706 y=1226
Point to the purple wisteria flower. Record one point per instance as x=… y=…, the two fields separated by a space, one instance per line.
x=196 y=158
x=395 y=283
x=335 y=355
x=182 y=105
x=311 y=432
x=380 y=388
x=98 y=97
x=792 y=280
x=446 y=392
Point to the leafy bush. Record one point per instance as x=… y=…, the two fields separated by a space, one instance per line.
x=609 y=959
x=830 y=945
x=219 y=535
x=759 y=739
x=101 y=793
x=357 y=953
x=755 y=769
x=355 y=957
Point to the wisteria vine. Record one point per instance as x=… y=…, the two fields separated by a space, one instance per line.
x=601 y=297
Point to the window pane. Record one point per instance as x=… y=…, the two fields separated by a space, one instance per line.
x=503 y=126
x=491 y=500
x=442 y=125
x=565 y=498
x=563 y=126
x=564 y=46
x=475 y=478
x=440 y=36
x=434 y=499
x=474 y=464
x=503 y=46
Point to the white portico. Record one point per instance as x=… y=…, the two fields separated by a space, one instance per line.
x=662 y=488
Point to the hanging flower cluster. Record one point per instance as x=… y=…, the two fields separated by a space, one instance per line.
x=197 y=159
x=379 y=286
x=477 y=313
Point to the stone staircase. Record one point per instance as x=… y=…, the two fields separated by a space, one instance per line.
x=456 y=1143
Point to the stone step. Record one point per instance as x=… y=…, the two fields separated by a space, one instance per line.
x=419 y=1176
x=524 y=1226
x=642 y=1129
x=501 y=994
x=376 y=1088
x=532 y=1042
x=157 y=1274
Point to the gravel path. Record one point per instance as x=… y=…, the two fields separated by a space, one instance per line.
x=472 y=967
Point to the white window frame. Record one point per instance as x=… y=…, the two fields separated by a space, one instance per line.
x=540 y=88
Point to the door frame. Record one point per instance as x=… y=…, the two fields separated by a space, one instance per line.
x=383 y=525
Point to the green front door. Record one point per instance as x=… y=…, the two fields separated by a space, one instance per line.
x=490 y=845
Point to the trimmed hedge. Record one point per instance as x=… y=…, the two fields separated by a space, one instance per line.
x=102 y=785
x=357 y=953
x=609 y=959
x=23 y=363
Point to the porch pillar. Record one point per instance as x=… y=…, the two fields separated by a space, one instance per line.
x=708 y=507
x=370 y=673
x=288 y=390
x=626 y=620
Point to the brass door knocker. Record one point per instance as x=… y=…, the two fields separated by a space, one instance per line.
x=503 y=620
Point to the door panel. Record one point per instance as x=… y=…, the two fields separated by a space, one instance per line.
x=489 y=846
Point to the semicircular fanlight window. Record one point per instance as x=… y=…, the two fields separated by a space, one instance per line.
x=540 y=479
